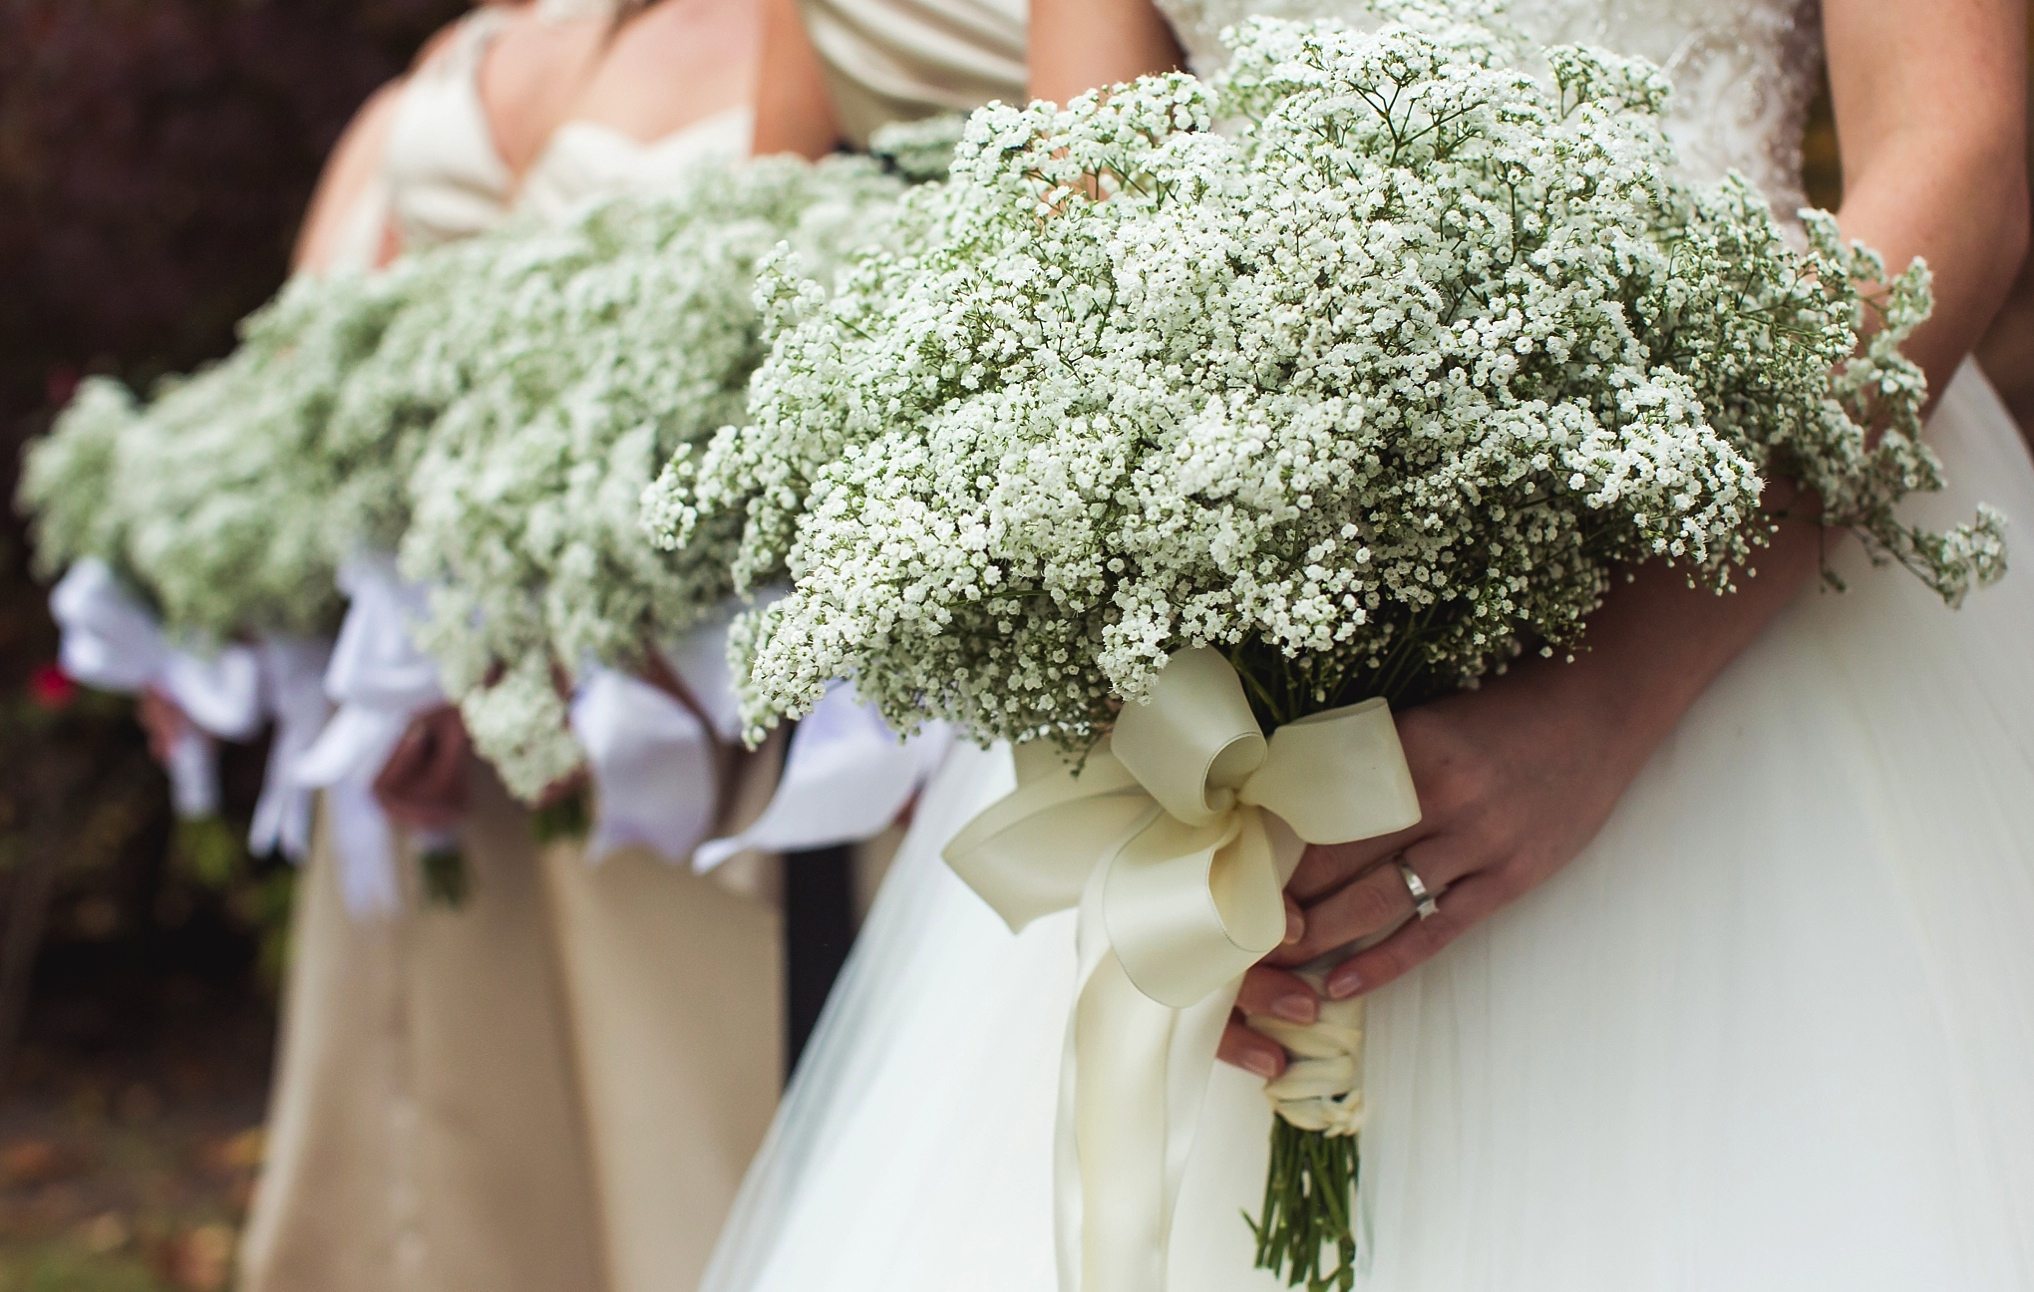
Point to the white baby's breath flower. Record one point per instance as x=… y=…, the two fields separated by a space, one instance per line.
x=1383 y=383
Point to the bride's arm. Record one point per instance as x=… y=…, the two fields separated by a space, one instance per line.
x=1079 y=45
x=1518 y=777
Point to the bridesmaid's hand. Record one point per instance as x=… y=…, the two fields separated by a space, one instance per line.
x=162 y=721
x=423 y=785
x=1514 y=780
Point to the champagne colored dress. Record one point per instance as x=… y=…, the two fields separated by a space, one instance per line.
x=426 y=1131
x=1772 y=1032
x=673 y=980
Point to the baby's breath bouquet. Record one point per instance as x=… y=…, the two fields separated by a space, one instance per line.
x=614 y=344
x=224 y=486
x=208 y=498
x=1387 y=380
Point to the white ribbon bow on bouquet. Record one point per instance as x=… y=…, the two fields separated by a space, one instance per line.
x=113 y=642
x=847 y=777
x=379 y=682
x=653 y=763
x=1175 y=839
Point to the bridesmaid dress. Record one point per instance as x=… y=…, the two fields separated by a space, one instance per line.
x=1772 y=1031
x=673 y=980
x=426 y=1131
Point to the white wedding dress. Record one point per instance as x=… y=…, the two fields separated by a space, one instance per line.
x=1773 y=1032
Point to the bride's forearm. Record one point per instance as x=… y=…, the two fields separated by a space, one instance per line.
x=1657 y=643
x=1897 y=203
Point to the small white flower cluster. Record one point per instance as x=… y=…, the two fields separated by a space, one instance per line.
x=556 y=383
x=1386 y=381
x=919 y=151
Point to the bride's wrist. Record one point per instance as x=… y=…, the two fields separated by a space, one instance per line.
x=1657 y=644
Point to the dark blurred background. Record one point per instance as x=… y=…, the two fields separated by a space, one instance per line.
x=155 y=156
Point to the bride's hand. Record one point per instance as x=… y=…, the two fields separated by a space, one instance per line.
x=1514 y=780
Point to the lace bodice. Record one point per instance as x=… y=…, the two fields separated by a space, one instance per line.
x=1744 y=71
x=446 y=176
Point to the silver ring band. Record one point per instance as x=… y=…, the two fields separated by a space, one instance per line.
x=1424 y=902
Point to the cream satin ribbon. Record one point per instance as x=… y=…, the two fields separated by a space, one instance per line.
x=1175 y=839
x=114 y=643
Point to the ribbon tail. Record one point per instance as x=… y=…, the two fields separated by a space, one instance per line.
x=1133 y=1079
x=847 y=777
x=193 y=767
x=283 y=815
x=364 y=849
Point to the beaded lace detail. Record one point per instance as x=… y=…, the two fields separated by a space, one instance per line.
x=1744 y=71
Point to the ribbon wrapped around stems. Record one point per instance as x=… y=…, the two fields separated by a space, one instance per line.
x=1174 y=839
x=113 y=642
x=654 y=760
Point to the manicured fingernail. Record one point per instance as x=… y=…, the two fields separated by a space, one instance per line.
x=1300 y=1007
x=1262 y=1064
x=1344 y=983
x=1295 y=928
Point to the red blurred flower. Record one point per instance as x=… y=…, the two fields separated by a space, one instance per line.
x=58 y=385
x=51 y=688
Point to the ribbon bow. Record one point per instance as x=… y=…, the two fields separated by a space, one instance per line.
x=652 y=763
x=380 y=681
x=1174 y=840
x=847 y=776
x=293 y=687
x=111 y=641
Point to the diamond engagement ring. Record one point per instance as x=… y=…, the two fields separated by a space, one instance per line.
x=1423 y=900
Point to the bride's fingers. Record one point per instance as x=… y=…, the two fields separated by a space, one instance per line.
x=1275 y=993
x=1418 y=941
x=1251 y=1051
x=1325 y=867
x=1378 y=901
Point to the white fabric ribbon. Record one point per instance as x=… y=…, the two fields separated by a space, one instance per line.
x=652 y=764
x=847 y=776
x=1175 y=839
x=113 y=642
x=379 y=682
x=293 y=694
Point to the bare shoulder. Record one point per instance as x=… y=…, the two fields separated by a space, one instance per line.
x=674 y=64
x=350 y=168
